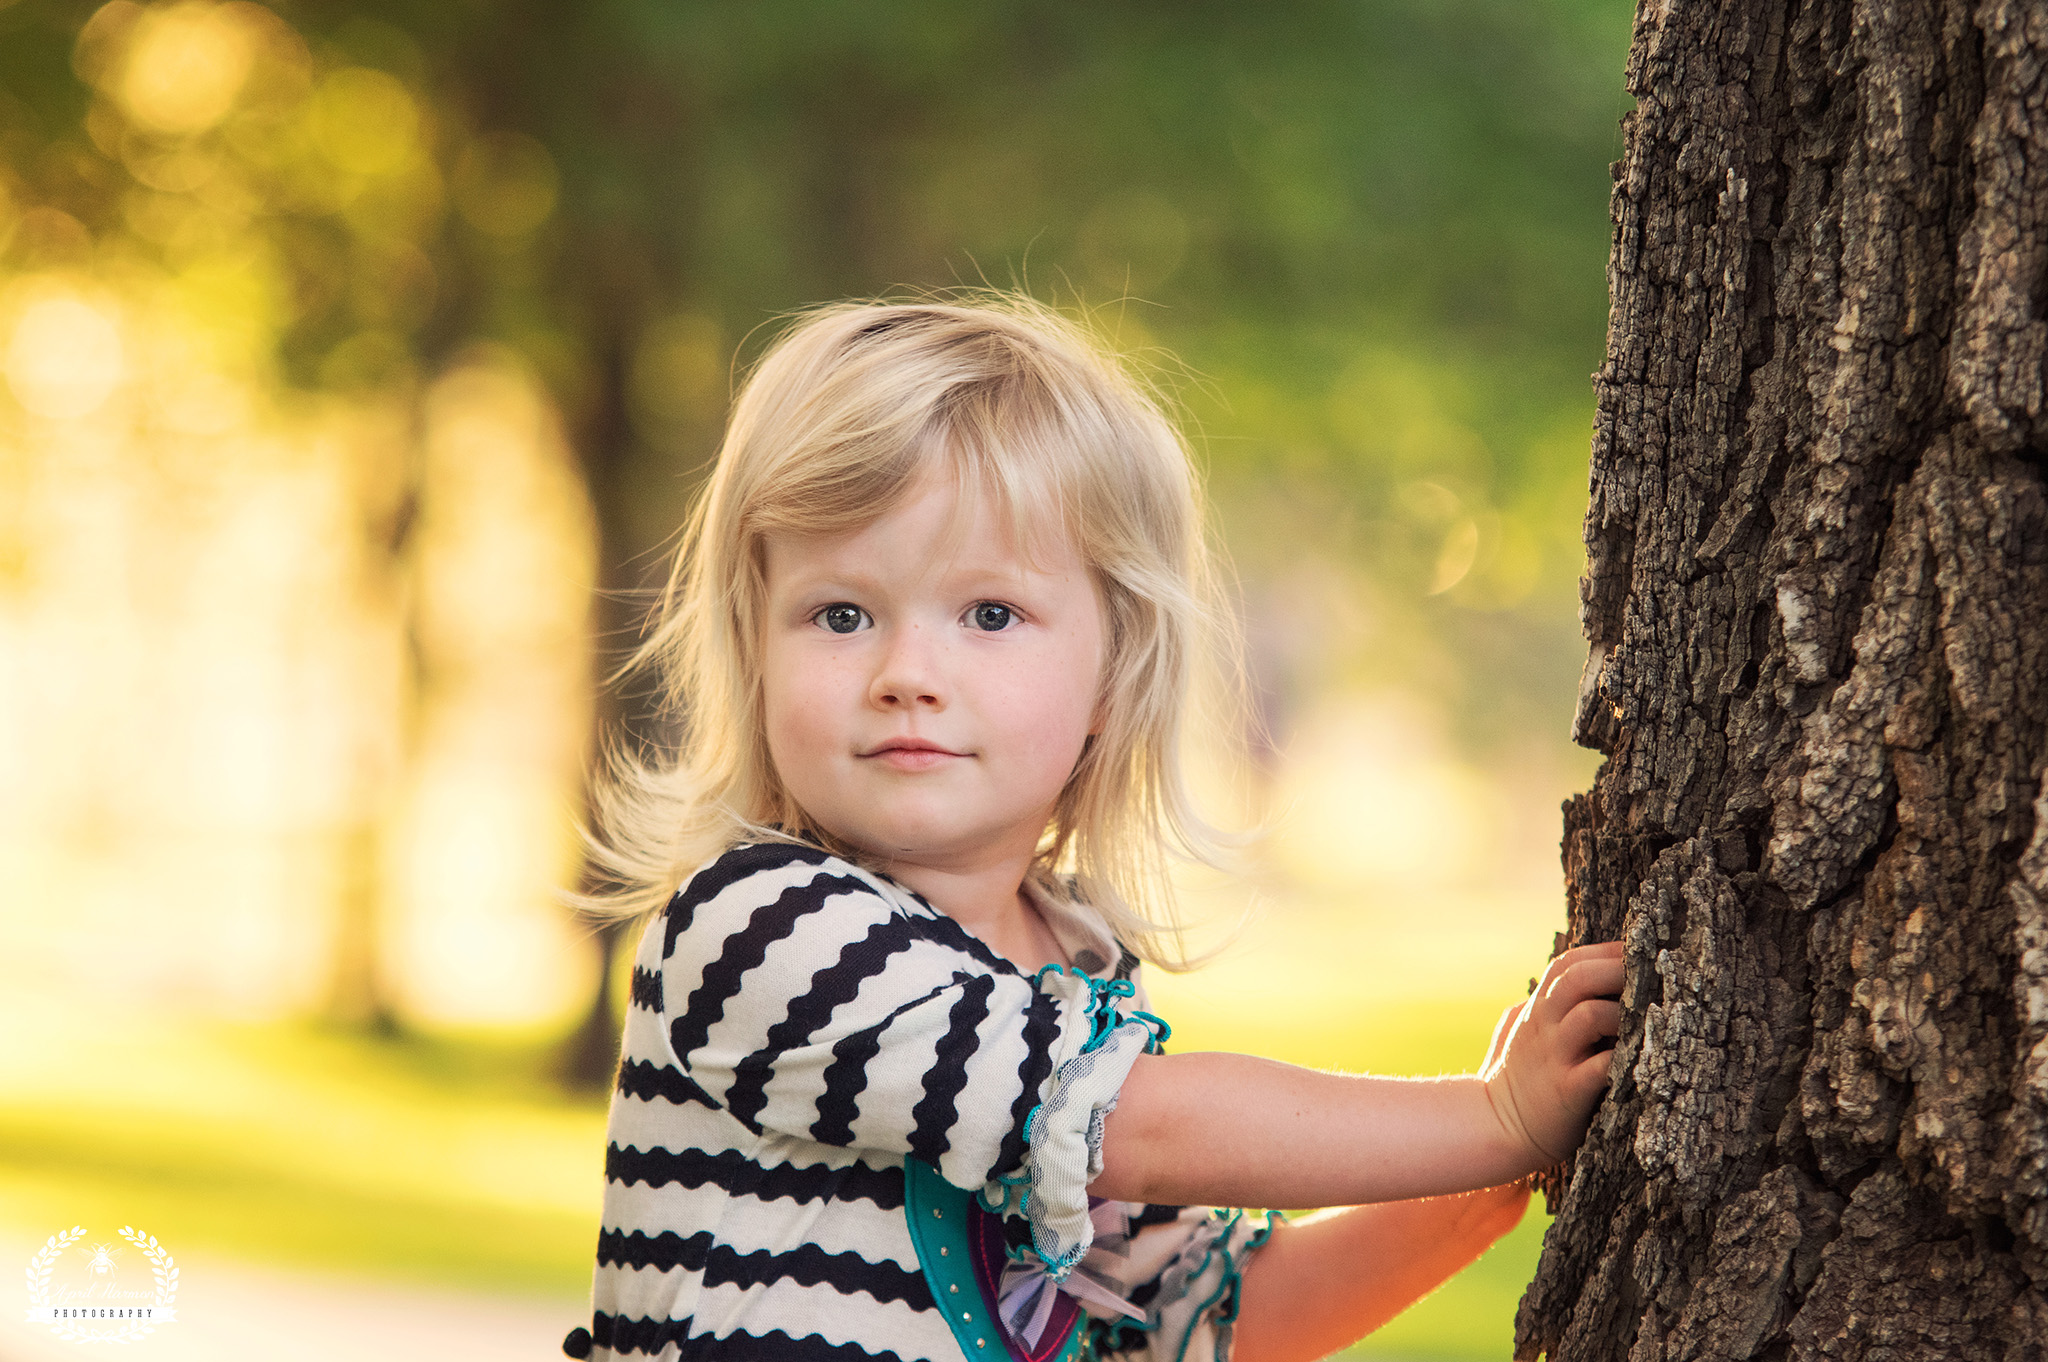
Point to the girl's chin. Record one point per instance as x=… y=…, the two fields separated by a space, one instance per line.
x=938 y=831
x=920 y=846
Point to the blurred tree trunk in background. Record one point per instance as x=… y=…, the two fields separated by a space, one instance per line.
x=621 y=711
x=358 y=991
x=608 y=285
x=1817 y=599
x=618 y=275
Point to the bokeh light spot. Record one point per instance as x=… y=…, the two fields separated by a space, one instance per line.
x=1374 y=797
x=679 y=371
x=505 y=184
x=365 y=121
x=64 y=357
x=186 y=63
x=1455 y=558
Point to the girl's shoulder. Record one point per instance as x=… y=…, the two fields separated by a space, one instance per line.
x=752 y=875
x=769 y=867
x=770 y=890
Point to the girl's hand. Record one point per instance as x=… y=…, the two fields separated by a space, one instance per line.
x=1547 y=1065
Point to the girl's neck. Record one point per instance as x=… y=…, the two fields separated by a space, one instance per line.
x=990 y=902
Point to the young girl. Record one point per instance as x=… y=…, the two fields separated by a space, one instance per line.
x=889 y=1088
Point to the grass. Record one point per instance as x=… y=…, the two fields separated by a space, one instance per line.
x=451 y=1159
x=421 y=1159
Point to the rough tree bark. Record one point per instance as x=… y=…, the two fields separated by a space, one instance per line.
x=1817 y=602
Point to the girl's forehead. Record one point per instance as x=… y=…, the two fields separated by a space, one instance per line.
x=943 y=524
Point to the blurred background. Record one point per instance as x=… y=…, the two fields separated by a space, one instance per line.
x=357 y=360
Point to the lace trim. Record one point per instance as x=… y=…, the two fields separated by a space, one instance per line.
x=1063 y=1133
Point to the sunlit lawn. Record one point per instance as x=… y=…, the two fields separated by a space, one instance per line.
x=452 y=1159
x=418 y=1159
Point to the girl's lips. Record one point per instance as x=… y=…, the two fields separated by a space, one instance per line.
x=912 y=756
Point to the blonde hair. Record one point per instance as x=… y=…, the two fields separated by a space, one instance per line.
x=829 y=432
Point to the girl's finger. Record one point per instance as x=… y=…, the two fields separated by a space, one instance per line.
x=1592 y=1073
x=1588 y=978
x=1592 y=1021
x=1598 y=950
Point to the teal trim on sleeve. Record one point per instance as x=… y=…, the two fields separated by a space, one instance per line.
x=1105 y=1014
x=1228 y=1295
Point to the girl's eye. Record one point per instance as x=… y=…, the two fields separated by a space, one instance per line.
x=842 y=618
x=991 y=617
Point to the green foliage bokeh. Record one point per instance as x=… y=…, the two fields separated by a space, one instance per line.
x=1372 y=234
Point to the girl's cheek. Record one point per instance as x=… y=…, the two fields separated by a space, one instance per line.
x=1060 y=717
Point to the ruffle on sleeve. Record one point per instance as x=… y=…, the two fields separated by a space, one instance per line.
x=1191 y=1315
x=1063 y=1134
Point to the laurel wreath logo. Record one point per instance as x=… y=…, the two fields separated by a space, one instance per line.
x=163 y=1268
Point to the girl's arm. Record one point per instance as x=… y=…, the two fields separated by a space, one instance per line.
x=1231 y=1130
x=1320 y=1284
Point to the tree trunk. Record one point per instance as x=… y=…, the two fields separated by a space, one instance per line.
x=1817 y=602
x=589 y=1057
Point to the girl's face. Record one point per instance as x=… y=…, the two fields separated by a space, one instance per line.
x=926 y=689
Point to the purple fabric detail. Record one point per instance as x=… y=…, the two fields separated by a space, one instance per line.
x=991 y=1256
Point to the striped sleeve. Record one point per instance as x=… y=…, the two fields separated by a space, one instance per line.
x=807 y=998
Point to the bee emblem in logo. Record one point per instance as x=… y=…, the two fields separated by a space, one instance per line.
x=58 y=1304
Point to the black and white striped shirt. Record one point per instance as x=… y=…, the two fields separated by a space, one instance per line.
x=799 y=1027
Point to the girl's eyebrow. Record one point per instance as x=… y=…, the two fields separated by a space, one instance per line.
x=813 y=574
x=1013 y=575
x=1017 y=573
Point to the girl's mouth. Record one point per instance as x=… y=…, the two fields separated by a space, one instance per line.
x=912 y=754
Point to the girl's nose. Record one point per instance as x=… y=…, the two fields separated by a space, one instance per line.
x=909 y=675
